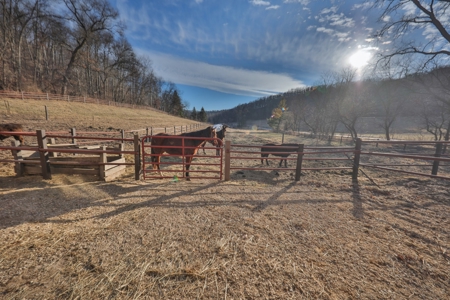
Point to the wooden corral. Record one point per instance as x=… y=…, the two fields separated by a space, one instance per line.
x=28 y=163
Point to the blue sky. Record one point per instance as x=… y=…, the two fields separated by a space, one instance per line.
x=221 y=53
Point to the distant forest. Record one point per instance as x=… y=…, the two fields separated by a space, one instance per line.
x=340 y=100
x=77 y=47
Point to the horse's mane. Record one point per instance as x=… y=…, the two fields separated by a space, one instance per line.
x=205 y=132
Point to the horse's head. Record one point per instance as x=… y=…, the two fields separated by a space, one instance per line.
x=213 y=135
x=224 y=129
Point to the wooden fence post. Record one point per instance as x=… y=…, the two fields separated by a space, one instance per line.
x=17 y=154
x=438 y=153
x=73 y=132
x=298 y=170
x=227 y=160
x=46 y=113
x=123 y=134
x=102 y=166
x=356 y=159
x=137 y=158
x=122 y=148
x=43 y=154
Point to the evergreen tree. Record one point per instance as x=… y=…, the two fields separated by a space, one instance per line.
x=202 y=117
x=194 y=114
x=176 y=105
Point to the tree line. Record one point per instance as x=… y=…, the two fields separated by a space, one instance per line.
x=341 y=101
x=77 y=47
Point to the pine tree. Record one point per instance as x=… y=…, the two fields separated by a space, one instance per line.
x=194 y=114
x=202 y=117
x=176 y=105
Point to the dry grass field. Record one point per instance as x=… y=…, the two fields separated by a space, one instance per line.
x=259 y=236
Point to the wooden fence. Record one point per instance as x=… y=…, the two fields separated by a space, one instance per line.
x=235 y=153
x=107 y=162
x=45 y=161
x=68 y=98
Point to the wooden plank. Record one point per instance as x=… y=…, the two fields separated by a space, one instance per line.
x=25 y=154
x=74 y=171
x=121 y=160
x=114 y=173
x=75 y=160
x=32 y=170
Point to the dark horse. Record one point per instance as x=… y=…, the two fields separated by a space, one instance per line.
x=221 y=129
x=12 y=128
x=173 y=145
x=270 y=148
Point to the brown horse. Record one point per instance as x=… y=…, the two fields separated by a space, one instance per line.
x=221 y=129
x=13 y=128
x=173 y=145
x=283 y=150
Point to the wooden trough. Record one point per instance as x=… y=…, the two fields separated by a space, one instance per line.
x=106 y=166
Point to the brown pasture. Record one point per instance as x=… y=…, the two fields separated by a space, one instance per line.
x=259 y=236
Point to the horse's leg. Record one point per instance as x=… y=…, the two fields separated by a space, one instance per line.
x=203 y=147
x=156 y=160
x=188 y=164
x=219 y=145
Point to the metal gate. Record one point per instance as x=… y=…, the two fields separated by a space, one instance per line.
x=174 y=166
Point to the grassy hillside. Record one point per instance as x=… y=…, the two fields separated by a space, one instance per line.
x=82 y=116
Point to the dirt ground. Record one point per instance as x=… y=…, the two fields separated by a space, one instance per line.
x=261 y=235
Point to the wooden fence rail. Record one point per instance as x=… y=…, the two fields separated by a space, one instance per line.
x=68 y=98
x=46 y=160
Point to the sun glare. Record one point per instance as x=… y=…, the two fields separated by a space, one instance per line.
x=360 y=58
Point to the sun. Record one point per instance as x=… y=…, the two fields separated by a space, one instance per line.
x=360 y=59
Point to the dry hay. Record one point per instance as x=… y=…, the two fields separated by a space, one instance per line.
x=260 y=236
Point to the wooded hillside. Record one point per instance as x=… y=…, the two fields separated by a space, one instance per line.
x=76 y=47
x=341 y=101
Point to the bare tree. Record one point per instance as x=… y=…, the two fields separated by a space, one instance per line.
x=405 y=20
x=436 y=118
x=355 y=104
x=85 y=18
x=434 y=88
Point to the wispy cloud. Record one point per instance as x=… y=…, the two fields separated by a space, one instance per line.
x=273 y=7
x=259 y=2
x=220 y=78
x=303 y=2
